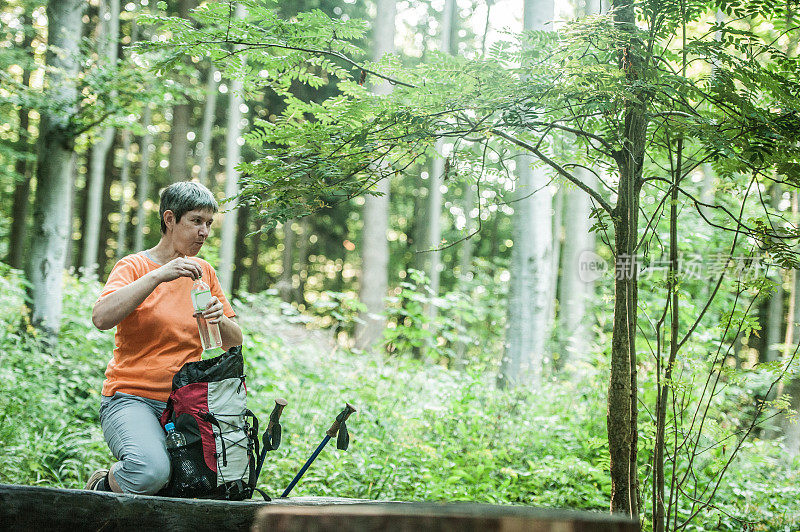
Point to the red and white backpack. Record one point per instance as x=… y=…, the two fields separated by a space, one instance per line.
x=208 y=406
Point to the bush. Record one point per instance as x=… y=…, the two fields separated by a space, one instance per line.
x=423 y=432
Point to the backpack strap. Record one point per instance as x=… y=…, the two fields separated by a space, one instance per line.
x=168 y=412
x=208 y=416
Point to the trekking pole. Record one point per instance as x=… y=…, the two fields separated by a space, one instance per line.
x=272 y=436
x=341 y=443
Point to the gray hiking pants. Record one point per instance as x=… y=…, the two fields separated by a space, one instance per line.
x=135 y=436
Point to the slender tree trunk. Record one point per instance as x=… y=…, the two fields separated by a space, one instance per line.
x=22 y=190
x=207 y=131
x=622 y=420
x=465 y=257
x=242 y=221
x=255 y=275
x=124 y=198
x=146 y=149
x=54 y=168
x=420 y=222
x=532 y=235
x=665 y=385
x=576 y=289
x=108 y=37
x=233 y=155
x=775 y=314
x=555 y=259
x=287 y=260
x=433 y=259
x=374 y=243
x=791 y=428
x=125 y=177
x=108 y=205
x=303 y=242
x=181 y=117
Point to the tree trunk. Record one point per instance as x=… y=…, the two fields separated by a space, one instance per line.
x=146 y=149
x=622 y=420
x=108 y=206
x=255 y=275
x=124 y=197
x=555 y=260
x=287 y=259
x=54 y=169
x=775 y=314
x=240 y=251
x=108 y=37
x=791 y=428
x=433 y=258
x=124 y=177
x=374 y=243
x=181 y=116
x=420 y=222
x=465 y=257
x=233 y=155
x=22 y=190
x=207 y=131
x=576 y=289
x=532 y=235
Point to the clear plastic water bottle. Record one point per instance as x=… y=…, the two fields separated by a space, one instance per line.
x=187 y=480
x=174 y=438
x=210 y=336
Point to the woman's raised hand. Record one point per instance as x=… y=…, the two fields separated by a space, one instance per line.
x=180 y=267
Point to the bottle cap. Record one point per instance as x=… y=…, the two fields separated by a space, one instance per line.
x=169 y=426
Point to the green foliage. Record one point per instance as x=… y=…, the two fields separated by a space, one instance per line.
x=49 y=395
x=422 y=432
x=466 y=328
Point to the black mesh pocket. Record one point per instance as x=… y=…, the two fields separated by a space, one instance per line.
x=191 y=477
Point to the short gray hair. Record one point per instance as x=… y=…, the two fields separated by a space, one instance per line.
x=185 y=196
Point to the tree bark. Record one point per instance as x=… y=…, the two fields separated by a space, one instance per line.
x=433 y=258
x=124 y=198
x=51 y=221
x=791 y=428
x=287 y=259
x=207 y=131
x=465 y=257
x=575 y=289
x=775 y=314
x=622 y=419
x=124 y=177
x=181 y=116
x=240 y=251
x=374 y=244
x=108 y=37
x=233 y=156
x=532 y=222
x=22 y=190
x=146 y=149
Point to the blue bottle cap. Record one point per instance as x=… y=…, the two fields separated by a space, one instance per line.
x=169 y=426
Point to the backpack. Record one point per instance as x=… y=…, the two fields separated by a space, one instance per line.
x=208 y=406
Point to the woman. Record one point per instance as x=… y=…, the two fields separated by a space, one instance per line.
x=147 y=298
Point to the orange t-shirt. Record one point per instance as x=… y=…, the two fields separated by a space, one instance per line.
x=160 y=336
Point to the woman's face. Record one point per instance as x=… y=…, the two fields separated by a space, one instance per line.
x=189 y=234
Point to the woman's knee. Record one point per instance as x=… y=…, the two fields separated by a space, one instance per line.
x=144 y=476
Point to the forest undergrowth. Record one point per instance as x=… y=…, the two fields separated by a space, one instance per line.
x=423 y=432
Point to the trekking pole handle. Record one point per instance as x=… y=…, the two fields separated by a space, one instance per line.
x=348 y=409
x=277 y=410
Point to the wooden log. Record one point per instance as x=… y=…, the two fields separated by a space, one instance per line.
x=432 y=517
x=49 y=509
